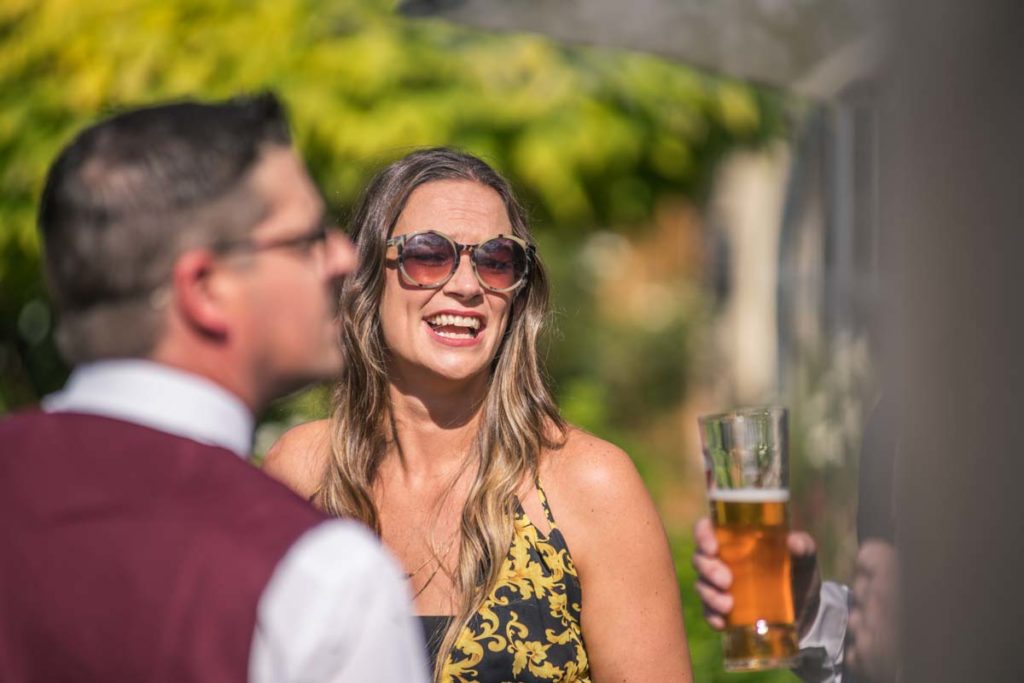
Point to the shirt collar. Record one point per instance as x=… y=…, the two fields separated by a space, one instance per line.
x=160 y=397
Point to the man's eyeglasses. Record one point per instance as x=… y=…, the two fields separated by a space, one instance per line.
x=428 y=259
x=304 y=242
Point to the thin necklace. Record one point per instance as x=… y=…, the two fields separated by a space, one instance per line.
x=427 y=582
x=439 y=558
x=418 y=569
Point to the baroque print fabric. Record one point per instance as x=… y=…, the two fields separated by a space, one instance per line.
x=528 y=628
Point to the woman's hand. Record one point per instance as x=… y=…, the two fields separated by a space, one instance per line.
x=714 y=578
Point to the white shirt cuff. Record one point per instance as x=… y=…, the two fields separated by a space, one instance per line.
x=821 y=648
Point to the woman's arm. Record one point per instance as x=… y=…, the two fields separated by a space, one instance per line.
x=297 y=459
x=631 y=612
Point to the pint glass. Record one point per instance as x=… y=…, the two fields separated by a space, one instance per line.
x=748 y=488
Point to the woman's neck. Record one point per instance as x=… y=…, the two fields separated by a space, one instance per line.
x=436 y=429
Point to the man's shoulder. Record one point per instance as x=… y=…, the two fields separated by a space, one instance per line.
x=24 y=420
x=37 y=431
x=36 y=424
x=133 y=461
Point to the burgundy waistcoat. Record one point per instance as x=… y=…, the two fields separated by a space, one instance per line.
x=128 y=554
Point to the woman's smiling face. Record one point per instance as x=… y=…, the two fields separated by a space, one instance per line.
x=454 y=331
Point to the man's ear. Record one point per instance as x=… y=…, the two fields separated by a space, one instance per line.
x=199 y=302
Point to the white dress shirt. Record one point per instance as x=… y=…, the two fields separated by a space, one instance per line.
x=336 y=607
x=821 y=648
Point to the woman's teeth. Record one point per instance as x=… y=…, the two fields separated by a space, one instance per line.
x=454 y=326
x=451 y=334
x=457 y=320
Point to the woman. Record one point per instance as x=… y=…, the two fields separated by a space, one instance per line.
x=445 y=440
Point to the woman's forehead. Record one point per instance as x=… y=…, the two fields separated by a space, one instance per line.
x=462 y=209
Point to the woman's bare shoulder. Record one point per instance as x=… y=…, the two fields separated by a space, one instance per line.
x=588 y=479
x=599 y=500
x=588 y=465
x=298 y=458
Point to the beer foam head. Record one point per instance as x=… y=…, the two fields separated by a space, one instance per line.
x=750 y=495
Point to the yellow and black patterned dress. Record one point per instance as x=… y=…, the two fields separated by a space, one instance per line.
x=528 y=628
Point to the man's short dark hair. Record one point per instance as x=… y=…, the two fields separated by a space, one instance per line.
x=129 y=194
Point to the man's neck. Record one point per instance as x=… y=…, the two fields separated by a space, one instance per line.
x=158 y=396
x=216 y=366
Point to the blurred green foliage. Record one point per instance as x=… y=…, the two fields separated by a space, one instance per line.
x=591 y=139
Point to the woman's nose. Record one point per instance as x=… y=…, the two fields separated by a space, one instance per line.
x=463 y=282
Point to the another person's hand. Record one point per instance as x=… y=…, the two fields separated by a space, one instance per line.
x=714 y=577
x=872 y=633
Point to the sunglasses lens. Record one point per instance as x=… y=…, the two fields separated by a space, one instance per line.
x=500 y=263
x=427 y=258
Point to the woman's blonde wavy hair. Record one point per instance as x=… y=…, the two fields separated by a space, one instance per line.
x=518 y=416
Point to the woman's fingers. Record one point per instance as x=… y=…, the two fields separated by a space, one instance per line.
x=704 y=536
x=713 y=572
x=716 y=604
x=714 y=577
x=801 y=544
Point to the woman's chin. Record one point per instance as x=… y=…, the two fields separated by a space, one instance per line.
x=458 y=371
x=460 y=375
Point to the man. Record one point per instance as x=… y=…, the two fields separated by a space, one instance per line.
x=194 y=281
x=848 y=634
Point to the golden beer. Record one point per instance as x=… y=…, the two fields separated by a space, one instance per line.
x=751 y=526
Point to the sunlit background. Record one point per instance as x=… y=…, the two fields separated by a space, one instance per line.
x=699 y=228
